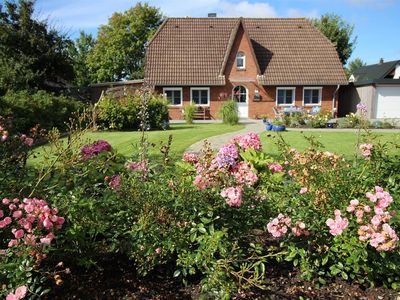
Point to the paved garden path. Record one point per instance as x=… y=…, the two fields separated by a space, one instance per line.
x=217 y=141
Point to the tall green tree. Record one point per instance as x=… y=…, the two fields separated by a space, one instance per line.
x=79 y=52
x=339 y=32
x=32 y=55
x=120 y=48
x=354 y=65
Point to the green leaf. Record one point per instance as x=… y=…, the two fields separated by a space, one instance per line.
x=344 y=276
x=177 y=273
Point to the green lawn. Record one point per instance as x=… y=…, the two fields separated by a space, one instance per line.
x=339 y=142
x=125 y=142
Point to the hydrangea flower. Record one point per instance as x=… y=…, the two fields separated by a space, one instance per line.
x=244 y=175
x=226 y=156
x=275 y=167
x=248 y=141
x=190 y=157
x=232 y=195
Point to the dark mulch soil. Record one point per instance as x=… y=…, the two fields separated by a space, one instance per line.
x=115 y=278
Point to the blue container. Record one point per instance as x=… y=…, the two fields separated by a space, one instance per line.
x=278 y=128
x=269 y=127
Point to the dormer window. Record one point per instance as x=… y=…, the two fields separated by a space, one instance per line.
x=240 y=60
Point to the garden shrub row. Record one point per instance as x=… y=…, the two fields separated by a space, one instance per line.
x=123 y=113
x=225 y=218
x=41 y=108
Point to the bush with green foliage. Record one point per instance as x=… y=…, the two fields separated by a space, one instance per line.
x=123 y=113
x=189 y=112
x=40 y=108
x=229 y=112
x=227 y=218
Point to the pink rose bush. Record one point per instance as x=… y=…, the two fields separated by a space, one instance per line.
x=227 y=169
x=374 y=220
x=27 y=228
x=338 y=224
x=19 y=293
x=366 y=150
x=91 y=150
x=280 y=225
x=31 y=222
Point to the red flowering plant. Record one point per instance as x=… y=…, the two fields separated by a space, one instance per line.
x=14 y=151
x=27 y=230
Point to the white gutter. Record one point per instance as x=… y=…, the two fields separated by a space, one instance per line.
x=334 y=110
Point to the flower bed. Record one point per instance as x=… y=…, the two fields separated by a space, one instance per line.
x=224 y=219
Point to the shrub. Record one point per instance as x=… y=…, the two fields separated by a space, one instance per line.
x=319 y=120
x=229 y=112
x=188 y=113
x=48 y=110
x=26 y=233
x=123 y=113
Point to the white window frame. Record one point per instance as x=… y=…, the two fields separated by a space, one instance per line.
x=173 y=89
x=244 y=60
x=200 y=89
x=319 y=88
x=247 y=93
x=293 y=96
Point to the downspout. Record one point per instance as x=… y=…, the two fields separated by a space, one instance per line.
x=334 y=110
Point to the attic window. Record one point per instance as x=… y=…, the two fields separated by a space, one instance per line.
x=240 y=60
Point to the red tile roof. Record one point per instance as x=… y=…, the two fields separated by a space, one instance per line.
x=194 y=51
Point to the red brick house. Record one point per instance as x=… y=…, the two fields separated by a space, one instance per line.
x=262 y=63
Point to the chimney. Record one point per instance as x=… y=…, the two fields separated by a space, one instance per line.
x=381 y=61
x=212 y=15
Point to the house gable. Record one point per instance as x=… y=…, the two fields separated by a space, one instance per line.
x=241 y=44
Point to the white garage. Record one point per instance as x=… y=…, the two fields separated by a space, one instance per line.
x=387 y=102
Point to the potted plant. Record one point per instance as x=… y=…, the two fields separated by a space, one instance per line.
x=278 y=125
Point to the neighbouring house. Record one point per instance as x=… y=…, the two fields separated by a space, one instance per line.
x=378 y=87
x=261 y=63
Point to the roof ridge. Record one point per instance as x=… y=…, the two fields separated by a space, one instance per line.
x=230 y=18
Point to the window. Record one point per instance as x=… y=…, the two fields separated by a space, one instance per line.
x=285 y=96
x=173 y=95
x=240 y=94
x=312 y=96
x=240 y=60
x=200 y=96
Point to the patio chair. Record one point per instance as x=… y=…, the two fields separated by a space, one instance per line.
x=315 y=110
x=278 y=113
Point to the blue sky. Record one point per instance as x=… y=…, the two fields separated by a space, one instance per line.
x=376 y=21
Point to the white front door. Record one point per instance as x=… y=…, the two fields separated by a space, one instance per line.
x=241 y=96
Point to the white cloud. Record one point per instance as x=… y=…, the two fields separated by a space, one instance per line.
x=246 y=9
x=88 y=15
x=296 y=13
